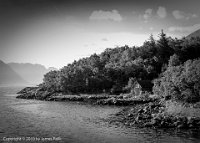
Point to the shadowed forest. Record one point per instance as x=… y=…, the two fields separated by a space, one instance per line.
x=172 y=65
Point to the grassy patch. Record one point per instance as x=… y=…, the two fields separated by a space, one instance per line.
x=175 y=108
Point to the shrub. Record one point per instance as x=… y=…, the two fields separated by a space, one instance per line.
x=182 y=82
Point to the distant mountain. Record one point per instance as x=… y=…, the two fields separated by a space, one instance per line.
x=9 y=77
x=33 y=73
x=51 y=69
x=194 y=34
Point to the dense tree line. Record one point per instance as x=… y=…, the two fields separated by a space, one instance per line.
x=181 y=80
x=113 y=70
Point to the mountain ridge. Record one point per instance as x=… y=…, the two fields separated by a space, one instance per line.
x=194 y=34
x=33 y=73
x=9 y=77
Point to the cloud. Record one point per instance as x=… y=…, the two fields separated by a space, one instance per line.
x=194 y=15
x=162 y=13
x=104 y=39
x=178 y=14
x=182 y=15
x=151 y=28
x=106 y=15
x=147 y=14
x=184 y=29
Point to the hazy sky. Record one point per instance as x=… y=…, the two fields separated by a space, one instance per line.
x=57 y=32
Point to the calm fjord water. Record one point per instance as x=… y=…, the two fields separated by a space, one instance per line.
x=72 y=122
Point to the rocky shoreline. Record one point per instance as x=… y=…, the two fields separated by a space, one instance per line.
x=140 y=112
x=153 y=115
x=100 y=99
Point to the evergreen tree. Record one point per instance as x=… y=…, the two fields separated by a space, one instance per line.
x=164 y=50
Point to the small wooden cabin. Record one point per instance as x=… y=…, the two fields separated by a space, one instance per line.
x=142 y=86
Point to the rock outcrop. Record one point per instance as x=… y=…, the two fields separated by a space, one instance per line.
x=153 y=115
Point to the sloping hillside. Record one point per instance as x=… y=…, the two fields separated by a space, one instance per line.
x=9 y=77
x=194 y=34
x=33 y=73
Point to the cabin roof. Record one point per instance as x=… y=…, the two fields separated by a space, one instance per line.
x=145 y=84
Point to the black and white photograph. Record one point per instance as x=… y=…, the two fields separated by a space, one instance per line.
x=99 y=71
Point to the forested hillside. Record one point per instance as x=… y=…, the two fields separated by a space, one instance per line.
x=167 y=60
